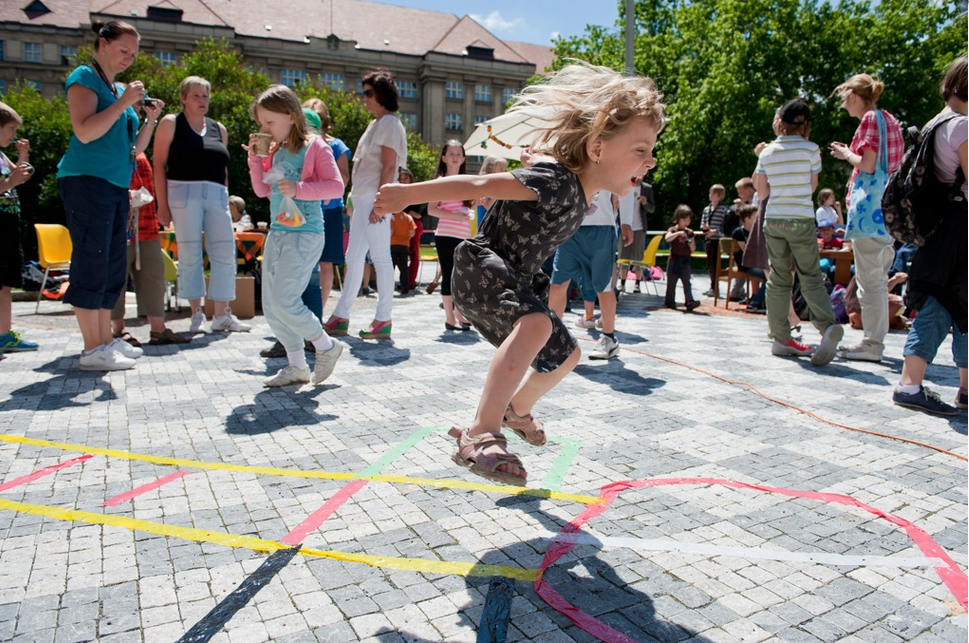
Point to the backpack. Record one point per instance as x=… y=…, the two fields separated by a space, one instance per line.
x=915 y=201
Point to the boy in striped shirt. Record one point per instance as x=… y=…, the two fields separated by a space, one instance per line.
x=787 y=172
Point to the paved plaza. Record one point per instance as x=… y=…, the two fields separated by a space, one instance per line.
x=694 y=489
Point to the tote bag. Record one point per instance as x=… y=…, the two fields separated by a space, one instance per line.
x=865 y=220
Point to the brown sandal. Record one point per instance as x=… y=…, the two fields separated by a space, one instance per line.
x=482 y=455
x=167 y=336
x=524 y=427
x=125 y=336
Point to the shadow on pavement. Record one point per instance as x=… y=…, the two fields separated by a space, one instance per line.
x=275 y=409
x=617 y=376
x=62 y=390
x=381 y=352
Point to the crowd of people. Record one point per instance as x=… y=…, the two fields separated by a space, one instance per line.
x=578 y=201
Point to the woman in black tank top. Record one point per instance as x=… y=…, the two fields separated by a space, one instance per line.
x=191 y=159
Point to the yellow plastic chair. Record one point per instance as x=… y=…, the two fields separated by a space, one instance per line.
x=54 y=247
x=171 y=283
x=648 y=261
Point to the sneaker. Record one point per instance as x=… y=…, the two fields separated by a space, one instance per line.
x=605 y=348
x=12 y=343
x=791 y=347
x=637 y=289
x=960 y=401
x=582 y=322
x=326 y=362
x=925 y=400
x=691 y=305
x=829 y=345
x=105 y=358
x=121 y=346
x=859 y=353
x=708 y=293
x=287 y=376
x=229 y=323
x=198 y=318
x=276 y=350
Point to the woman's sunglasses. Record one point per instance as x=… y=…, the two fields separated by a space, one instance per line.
x=368 y=93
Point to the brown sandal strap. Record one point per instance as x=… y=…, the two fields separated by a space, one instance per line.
x=525 y=427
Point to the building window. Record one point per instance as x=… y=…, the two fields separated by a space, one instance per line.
x=33 y=53
x=482 y=93
x=453 y=122
x=1 y=50
x=454 y=89
x=479 y=119
x=166 y=58
x=3 y=86
x=67 y=54
x=407 y=89
x=292 y=77
x=333 y=81
x=359 y=85
x=409 y=120
x=507 y=94
x=33 y=83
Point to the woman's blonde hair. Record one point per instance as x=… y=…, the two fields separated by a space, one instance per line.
x=492 y=162
x=193 y=81
x=868 y=88
x=282 y=100
x=581 y=103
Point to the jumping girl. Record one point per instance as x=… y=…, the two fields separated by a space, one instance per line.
x=600 y=131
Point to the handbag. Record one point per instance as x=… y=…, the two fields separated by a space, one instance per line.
x=865 y=219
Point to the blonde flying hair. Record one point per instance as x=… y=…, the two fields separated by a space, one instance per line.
x=866 y=87
x=581 y=103
x=282 y=100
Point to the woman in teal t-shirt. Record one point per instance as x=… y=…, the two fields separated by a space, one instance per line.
x=93 y=178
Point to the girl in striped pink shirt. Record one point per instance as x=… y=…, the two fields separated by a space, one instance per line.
x=453 y=227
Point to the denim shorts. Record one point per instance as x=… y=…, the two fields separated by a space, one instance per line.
x=929 y=330
x=333 y=233
x=589 y=255
x=97 y=216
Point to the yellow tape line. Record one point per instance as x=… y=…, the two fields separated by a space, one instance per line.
x=261 y=545
x=298 y=473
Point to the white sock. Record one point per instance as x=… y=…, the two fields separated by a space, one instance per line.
x=908 y=389
x=322 y=343
x=297 y=359
x=95 y=349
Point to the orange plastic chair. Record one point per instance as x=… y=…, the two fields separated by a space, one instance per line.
x=54 y=247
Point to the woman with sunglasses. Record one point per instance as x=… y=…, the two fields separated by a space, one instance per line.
x=93 y=178
x=381 y=150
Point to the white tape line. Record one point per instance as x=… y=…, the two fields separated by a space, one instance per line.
x=744 y=552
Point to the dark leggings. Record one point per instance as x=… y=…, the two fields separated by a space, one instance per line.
x=445 y=255
x=678 y=269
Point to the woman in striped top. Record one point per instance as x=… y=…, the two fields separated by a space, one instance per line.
x=453 y=227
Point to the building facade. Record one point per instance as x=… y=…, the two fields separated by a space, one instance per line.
x=452 y=73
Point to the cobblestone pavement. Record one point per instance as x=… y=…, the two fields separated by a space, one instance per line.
x=399 y=544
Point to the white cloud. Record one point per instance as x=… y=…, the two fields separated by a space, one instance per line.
x=495 y=22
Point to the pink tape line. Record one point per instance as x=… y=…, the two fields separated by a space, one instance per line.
x=315 y=519
x=137 y=491
x=40 y=473
x=950 y=574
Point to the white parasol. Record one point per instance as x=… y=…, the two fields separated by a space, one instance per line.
x=506 y=135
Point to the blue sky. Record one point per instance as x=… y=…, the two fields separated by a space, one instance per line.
x=535 y=21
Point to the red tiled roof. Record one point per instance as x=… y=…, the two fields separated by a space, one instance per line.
x=63 y=13
x=540 y=55
x=193 y=11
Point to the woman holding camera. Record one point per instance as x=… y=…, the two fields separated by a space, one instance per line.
x=191 y=177
x=93 y=178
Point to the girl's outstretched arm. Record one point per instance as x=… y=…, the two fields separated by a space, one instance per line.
x=394 y=197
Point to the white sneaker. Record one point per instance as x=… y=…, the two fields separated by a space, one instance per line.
x=326 y=362
x=582 y=322
x=229 y=323
x=828 y=346
x=287 y=376
x=861 y=353
x=105 y=358
x=126 y=349
x=198 y=317
x=605 y=348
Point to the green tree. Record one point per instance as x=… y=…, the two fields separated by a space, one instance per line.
x=726 y=65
